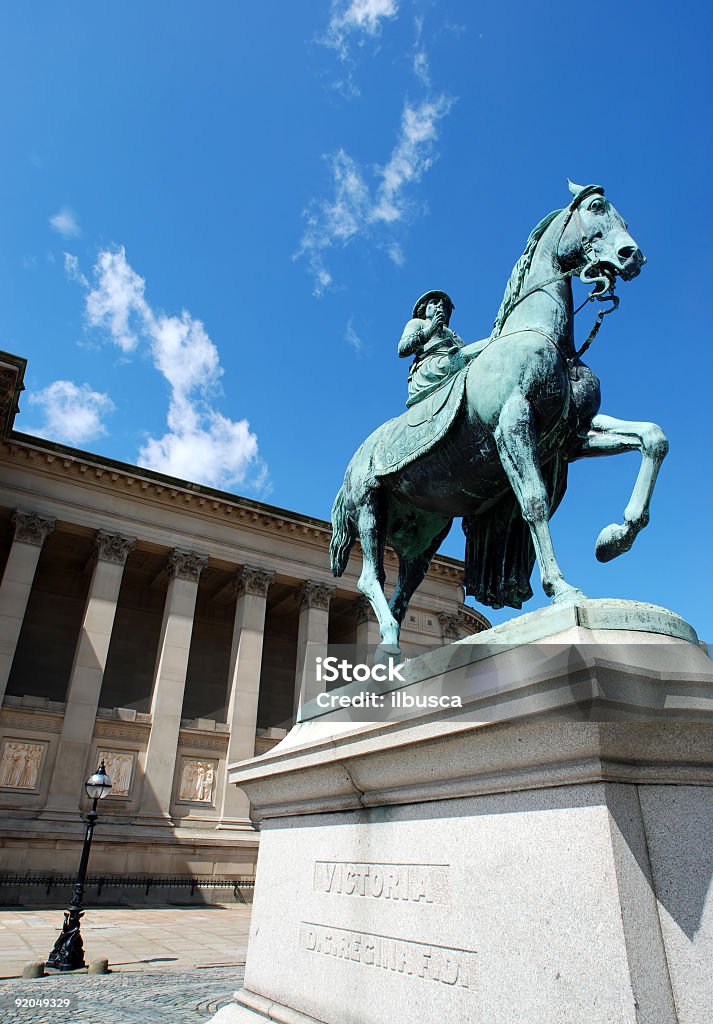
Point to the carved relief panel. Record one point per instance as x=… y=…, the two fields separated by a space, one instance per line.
x=119 y=766
x=197 y=782
x=20 y=764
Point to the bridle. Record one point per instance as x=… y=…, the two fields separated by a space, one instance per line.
x=603 y=290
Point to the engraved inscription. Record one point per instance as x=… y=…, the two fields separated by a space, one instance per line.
x=443 y=964
x=416 y=883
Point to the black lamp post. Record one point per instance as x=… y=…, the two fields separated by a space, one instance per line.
x=68 y=951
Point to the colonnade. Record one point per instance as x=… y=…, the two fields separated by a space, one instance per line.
x=183 y=567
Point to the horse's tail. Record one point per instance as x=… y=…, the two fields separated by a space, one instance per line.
x=343 y=535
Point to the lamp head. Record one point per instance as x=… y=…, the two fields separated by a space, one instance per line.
x=98 y=784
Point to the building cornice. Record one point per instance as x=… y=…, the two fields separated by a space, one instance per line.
x=110 y=474
x=12 y=373
x=472 y=620
x=65 y=461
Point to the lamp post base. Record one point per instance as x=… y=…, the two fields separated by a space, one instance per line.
x=68 y=951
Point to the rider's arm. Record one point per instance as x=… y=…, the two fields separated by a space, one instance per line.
x=415 y=335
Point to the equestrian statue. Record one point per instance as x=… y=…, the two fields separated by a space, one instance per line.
x=491 y=428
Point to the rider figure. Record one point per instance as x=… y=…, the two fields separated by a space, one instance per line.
x=434 y=344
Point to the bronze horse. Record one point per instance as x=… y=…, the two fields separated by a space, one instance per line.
x=530 y=407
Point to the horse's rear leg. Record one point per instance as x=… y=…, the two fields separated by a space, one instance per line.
x=610 y=436
x=412 y=570
x=371 y=581
x=517 y=447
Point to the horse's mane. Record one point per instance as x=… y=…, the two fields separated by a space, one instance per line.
x=514 y=285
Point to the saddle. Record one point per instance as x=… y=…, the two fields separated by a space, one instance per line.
x=419 y=429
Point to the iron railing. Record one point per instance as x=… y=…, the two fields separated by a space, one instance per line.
x=145 y=882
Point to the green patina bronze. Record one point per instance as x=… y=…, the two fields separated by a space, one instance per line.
x=435 y=346
x=491 y=428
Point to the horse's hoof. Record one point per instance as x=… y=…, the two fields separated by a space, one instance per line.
x=568 y=595
x=614 y=540
x=386 y=653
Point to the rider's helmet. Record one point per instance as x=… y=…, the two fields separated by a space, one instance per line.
x=419 y=310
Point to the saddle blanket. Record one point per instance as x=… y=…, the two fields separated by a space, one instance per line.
x=413 y=434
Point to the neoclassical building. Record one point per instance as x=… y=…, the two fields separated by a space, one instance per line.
x=162 y=626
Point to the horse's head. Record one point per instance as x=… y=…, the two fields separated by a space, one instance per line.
x=595 y=240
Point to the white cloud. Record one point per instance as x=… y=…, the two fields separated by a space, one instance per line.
x=205 y=445
x=71 y=412
x=358 y=17
x=184 y=353
x=353 y=338
x=412 y=155
x=366 y=15
x=359 y=207
x=355 y=21
x=336 y=220
x=200 y=444
x=65 y=223
x=71 y=269
x=396 y=254
x=118 y=299
x=421 y=67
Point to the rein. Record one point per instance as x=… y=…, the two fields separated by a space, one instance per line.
x=600 y=297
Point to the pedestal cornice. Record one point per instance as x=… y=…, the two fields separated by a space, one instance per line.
x=631 y=705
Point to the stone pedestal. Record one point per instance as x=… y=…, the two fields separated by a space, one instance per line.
x=540 y=856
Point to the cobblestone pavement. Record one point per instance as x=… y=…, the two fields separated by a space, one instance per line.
x=176 y=965
x=159 y=996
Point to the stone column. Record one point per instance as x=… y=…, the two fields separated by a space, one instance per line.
x=85 y=681
x=245 y=662
x=184 y=569
x=451 y=623
x=313 y=631
x=368 y=636
x=31 y=530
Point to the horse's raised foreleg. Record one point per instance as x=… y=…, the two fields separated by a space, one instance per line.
x=610 y=436
x=517 y=447
x=371 y=581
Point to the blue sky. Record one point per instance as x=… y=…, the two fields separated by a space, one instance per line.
x=216 y=219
